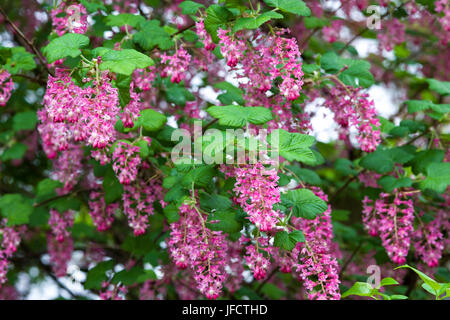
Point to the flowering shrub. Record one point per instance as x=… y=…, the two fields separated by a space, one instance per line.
x=292 y=180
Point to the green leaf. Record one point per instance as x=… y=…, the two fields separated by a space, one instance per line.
x=438 y=177
x=272 y=291
x=15 y=208
x=293 y=146
x=67 y=45
x=24 y=120
x=314 y=22
x=216 y=17
x=387 y=282
x=17 y=151
x=201 y=176
x=224 y=221
x=418 y=105
x=190 y=7
x=124 y=61
x=389 y=183
x=232 y=94
x=281 y=240
x=423 y=158
x=340 y=215
x=357 y=74
x=93 y=5
x=435 y=286
x=20 y=60
x=379 y=161
x=214 y=202
x=46 y=189
x=386 y=125
x=331 y=62
x=133 y=276
x=152 y=35
x=441 y=87
x=238 y=116
x=178 y=95
x=297 y=235
x=123 y=19
x=345 y=166
x=297 y=7
x=304 y=203
x=171 y=213
x=359 y=289
x=255 y=22
x=113 y=188
x=97 y=275
x=151 y=120
x=306 y=175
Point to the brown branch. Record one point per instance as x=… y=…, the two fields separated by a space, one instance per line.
x=346 y=263
x=28 y=42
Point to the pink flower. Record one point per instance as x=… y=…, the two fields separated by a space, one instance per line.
x=6 y=86
x=257 y=192
x=177 y=65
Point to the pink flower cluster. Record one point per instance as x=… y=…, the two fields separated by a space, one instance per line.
x=270 y=58
x=192 y=245
x=74 y=20
x=60 y=223
x=394 y=33
x=317 y=267
x=73 y=113
x=443 y=6
x=332 y=33
x=285 y=62
x=392 y=221
x=204 y=36
x=60 y=253
x=68 y=167
x=10 y=243
x=102 y=214
x=257 y=192
x=257 y=257
x=431 y=239
x=130 y=112
x=177 y=65
x=143 y=78
x=138 y=199
x=126 y=160
x=232 y=49
x=351 y=106
x=6 y=86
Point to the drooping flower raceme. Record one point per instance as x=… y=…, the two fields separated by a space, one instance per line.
x=204 y=36
x=192 y=245
x=8 y=246
x=89 y=113
x=231 y=48
x=429 y=239
x=257 y=192
x=60 y=222
x=126 y=160
x=60 y=253
x=138 y=199
x=352 y=107
x=102 y=214
x=317 y=267
x=6 y=86
x=392 y=221
x=177 y=65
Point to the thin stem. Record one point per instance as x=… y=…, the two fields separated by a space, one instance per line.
x=29 y=42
